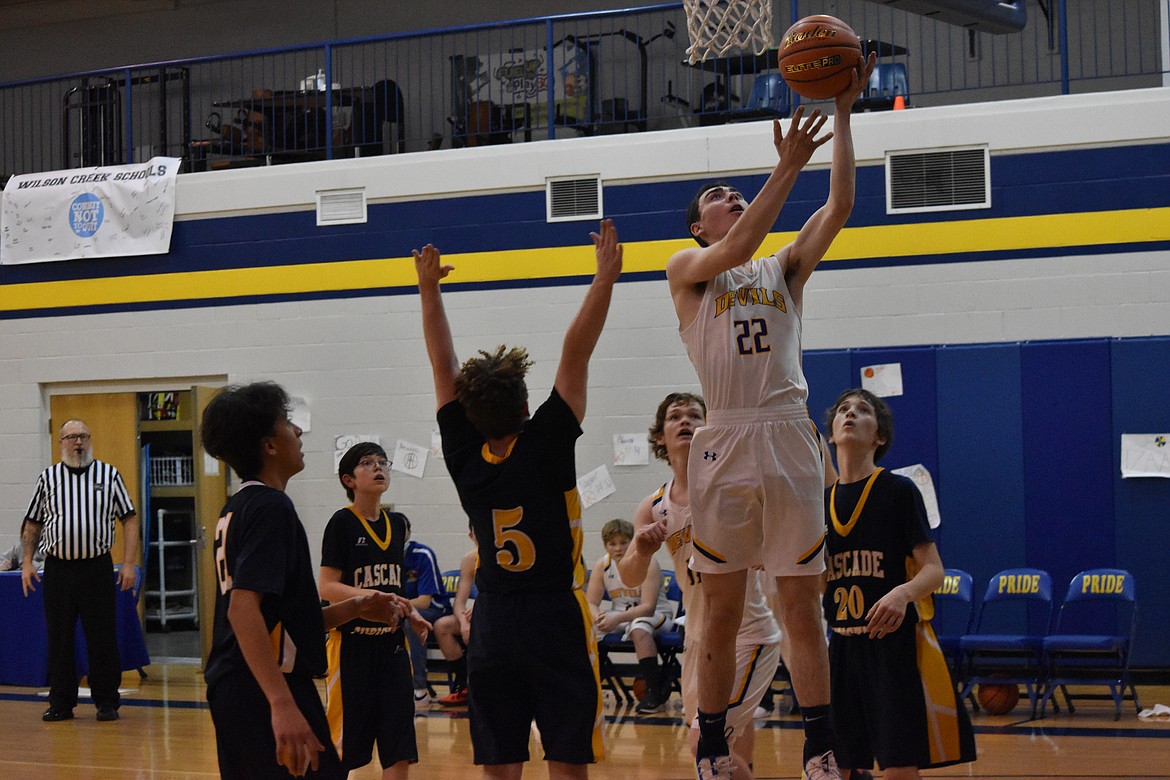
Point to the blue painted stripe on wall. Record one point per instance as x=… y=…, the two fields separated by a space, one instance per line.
x=1140 y=376
x=1067 y=406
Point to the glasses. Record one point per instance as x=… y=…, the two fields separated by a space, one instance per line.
x=75 y=437
x=371 y=463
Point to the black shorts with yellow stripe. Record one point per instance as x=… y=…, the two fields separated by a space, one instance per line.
x=894 y=701
x=533 y=656
x=369 y=696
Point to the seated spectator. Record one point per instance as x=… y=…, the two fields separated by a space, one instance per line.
x=422 y=583
x=639 y=612
x=453 y=632
x=12 y=559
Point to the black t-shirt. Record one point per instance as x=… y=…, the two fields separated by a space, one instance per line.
x=369 y=556
x=261 y=546
x=524 y=507
x=874 y=556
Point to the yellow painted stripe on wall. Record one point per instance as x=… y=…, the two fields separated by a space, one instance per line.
x=943 y=238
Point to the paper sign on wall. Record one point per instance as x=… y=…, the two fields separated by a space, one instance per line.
x=883 y=380
x=594 y=486
x=922 y=479
x=1145 y=455
x=410 y=459
x=630 y=449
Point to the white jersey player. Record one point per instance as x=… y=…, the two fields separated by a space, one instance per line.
x=664 y=518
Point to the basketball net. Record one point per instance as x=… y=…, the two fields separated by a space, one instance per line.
x=715 y=27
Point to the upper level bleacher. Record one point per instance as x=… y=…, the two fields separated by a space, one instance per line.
x=551 y=77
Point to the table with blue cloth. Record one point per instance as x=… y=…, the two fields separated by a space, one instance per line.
x=24 y=647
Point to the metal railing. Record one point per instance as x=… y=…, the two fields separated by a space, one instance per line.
x=549 y=77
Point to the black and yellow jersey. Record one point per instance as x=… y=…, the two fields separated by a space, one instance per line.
x=874 y=525
x=369 y=555
x=261 y=546
x=524 y=507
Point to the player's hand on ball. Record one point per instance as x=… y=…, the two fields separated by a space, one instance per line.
x=427 y=265
x=857 y=85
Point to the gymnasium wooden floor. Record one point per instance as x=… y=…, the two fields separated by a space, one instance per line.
x=166 y=732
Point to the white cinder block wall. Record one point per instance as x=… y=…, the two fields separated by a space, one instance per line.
x=361 y=363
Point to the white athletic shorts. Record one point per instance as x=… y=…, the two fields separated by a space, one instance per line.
x=755 y=668
x=652 y=625
x=757 y=492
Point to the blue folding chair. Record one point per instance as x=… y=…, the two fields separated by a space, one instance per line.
x=954 y=609
x=1094 y=632
x=1006 y=644
x=670 y=643
x=767 y=100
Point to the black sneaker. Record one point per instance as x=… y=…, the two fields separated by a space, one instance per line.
x=652 y=702
x=52 y=715
x=106 y=713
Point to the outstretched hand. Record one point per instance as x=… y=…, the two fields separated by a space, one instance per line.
x=609 y=252
x=797 y=147
x=857 y=84
x=428 y=267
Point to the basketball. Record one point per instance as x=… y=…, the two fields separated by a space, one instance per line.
x=817 y=55
x=997 y=698
x=639 y=688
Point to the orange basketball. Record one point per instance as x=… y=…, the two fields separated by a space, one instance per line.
x=997 y=698
x=639 y=688
x=817 y=55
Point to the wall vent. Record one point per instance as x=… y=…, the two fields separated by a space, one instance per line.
x=341 y=207
x=941 y=180
x=573 y=198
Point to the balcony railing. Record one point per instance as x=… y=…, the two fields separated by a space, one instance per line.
x=551 y=77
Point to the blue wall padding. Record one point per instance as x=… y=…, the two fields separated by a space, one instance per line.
x=1141 y=506
x=980 y=478
x=1068 y=454
x=1023 y=441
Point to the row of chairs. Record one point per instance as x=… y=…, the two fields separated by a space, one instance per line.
x=1011 y=637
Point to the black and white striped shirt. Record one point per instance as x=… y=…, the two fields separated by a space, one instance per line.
x=78 y=509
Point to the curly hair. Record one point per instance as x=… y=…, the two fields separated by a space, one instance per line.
x=656 y=430
x=881 y=413
x=492 y=391
x=238 y=419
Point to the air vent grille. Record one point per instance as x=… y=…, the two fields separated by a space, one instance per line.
x=341 y=207
x=574 y=199
x=938 y=180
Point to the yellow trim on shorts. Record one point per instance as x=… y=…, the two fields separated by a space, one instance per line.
x=942 y=718
x=738 y=697
x=598 y=738
x=812 y=552
x=334 y=706
x=707 y=551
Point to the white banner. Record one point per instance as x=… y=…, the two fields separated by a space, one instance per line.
x=114 y=211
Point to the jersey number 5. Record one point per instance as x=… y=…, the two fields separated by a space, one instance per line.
x=752 y=343
x=514 y=549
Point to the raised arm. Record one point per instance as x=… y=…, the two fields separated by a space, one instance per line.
x=436 y=329
x=648 y=537
x=696 y=265
x=813 y=240
x=581 y=337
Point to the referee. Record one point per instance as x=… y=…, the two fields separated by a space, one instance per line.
x=71 y=518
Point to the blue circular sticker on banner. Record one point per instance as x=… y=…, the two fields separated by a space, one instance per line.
x=85 y=214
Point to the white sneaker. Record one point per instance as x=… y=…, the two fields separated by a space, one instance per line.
x=823 y=768
x=422 y=698
x=714 y=768
x=761 y=713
